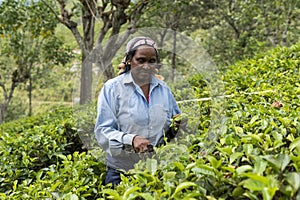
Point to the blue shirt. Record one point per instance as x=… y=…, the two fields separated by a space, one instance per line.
x=123 y=112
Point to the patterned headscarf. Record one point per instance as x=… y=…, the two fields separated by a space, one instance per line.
x=138 y=41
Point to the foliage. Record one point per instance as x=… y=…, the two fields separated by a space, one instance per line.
x=112 y=15
x=28 y=46
x=234 y=30
x=30 y=144
x=257 y=156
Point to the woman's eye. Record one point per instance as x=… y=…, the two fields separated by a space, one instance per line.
x=141 y=60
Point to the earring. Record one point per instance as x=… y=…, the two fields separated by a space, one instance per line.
x=127 y=66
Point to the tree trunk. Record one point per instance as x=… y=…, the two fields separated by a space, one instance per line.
x=86 y=81
x=30 y=95
x=6 y=101
x=174 y=28
x=113 y=15
x=88 y=23
x=2 y=112
x=173 y=57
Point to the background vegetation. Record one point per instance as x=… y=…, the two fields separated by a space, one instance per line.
x=255 y=46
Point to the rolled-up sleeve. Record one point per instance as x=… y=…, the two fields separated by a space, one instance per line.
x=106 y=129
x=173 y=104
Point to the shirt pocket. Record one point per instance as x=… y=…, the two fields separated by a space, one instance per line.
x=158 y=118
x=138 y=112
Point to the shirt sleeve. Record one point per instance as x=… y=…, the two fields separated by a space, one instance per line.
x=109 y=137
x=174 y=106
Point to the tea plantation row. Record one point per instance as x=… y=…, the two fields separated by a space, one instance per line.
x=256 y=155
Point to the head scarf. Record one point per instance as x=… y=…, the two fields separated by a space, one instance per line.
x=138 y=41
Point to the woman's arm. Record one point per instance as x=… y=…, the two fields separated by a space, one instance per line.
x=107 y=132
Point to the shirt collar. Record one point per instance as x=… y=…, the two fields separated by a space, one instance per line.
x=128 y=79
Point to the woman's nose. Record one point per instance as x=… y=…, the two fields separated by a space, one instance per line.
x=146 y=67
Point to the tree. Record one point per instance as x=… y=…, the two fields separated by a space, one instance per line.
x=238 y=29
x=112 y=15
x=177 y=16
x=26 y=29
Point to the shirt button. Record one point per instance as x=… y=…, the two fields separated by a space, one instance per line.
x=150 y=127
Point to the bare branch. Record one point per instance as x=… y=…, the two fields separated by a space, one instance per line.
x=66 y=20
x=135 y=17
x=107 y=21
x=3 y=89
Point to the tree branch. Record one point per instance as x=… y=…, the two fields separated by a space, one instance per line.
x=3 y=89
x=66 y=20
x=107 y=21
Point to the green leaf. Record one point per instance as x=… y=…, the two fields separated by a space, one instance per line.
x=179 y=165
x=235 y=156
x=113 y=194
x=256 y=177
x=214 y=162
x=203 y=169
x=184 y=185
x=243 y=169
x=169 y=175
x=254 y=119
x=146 y=196
x=248 y=148
x=293 y=179
x=238 y=192
x=256 y=138
x=39 y=175
x=72 y=197
x=151 y=165
x=279 y=162
x=268 y=193
x=259 y=166
x=55 y=185
x=15 y=185
x=273 y=161
x=131 y=190
x=254 y=185
x=238 y=130
x=295 y=144
x=284 y=159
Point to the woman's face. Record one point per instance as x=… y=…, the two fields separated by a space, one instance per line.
x=143 y=64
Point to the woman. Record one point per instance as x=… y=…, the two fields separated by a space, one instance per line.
x=134 y=109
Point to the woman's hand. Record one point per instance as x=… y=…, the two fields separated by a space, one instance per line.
x=140 y=144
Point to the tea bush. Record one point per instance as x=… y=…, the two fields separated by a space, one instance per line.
x=37 y=152
x=256 y=156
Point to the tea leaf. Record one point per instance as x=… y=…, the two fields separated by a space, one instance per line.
x=130 y=191
x=293 y=179
x=203 y=169
x=112 y=194
x=184 y=185
x=151 y=165
x=214 y=162
x=243 y=169
x=268 y=193
x=259 y=166
x=235 y=156
x=295 y=144
x=254 y=185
